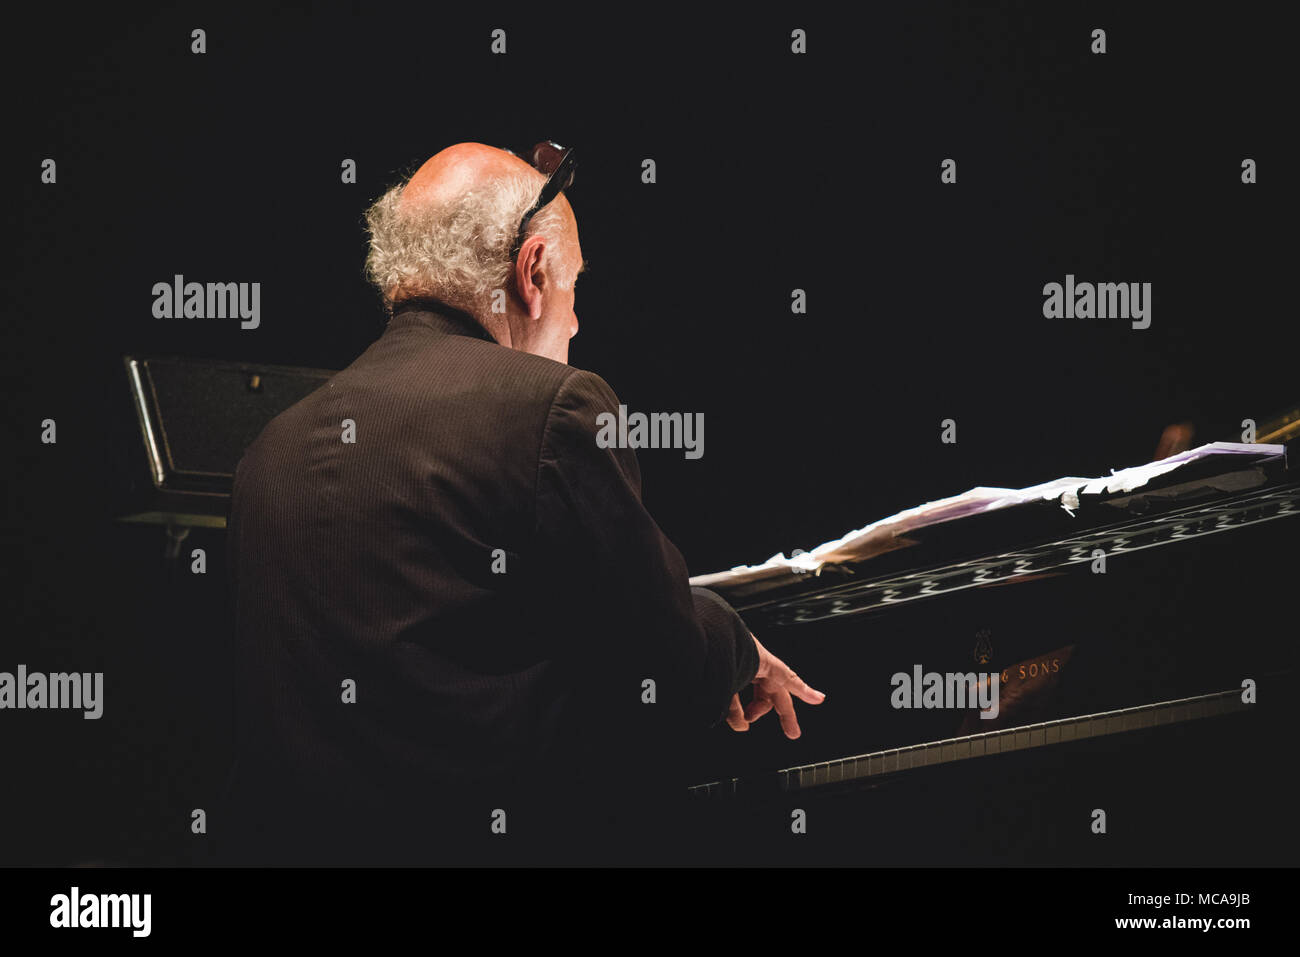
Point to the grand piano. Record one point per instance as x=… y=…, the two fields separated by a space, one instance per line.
x=1142 y=631
x=1120 y=690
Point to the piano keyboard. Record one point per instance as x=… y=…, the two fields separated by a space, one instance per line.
x=863 y=767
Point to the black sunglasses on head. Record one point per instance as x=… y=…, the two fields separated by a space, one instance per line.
x=558 y=164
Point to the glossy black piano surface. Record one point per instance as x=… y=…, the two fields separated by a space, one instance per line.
x=1095 y=668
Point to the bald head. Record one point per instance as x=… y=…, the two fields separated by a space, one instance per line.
x=450 y=174
x=448 y=233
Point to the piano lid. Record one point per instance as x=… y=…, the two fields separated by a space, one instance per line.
x=1050 y=512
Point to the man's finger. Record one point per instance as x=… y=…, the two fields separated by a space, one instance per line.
x=760 y=706
x=736 y=715
x=800 y=689
x=785 y=711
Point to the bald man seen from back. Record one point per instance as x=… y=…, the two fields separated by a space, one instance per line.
x=460 y=637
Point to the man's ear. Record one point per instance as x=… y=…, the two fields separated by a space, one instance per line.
x=529 y=277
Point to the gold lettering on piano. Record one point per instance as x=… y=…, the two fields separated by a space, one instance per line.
x=1026 y=687
x=1032 y=669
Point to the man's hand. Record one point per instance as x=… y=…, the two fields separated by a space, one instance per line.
x=774 y=684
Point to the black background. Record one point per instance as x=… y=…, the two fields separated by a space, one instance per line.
x=775 y=172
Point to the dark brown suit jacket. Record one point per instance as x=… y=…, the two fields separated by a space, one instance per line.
x=450 y=599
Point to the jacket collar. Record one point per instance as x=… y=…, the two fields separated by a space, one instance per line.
x=436 y=315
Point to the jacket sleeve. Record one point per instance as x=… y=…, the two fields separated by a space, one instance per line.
x=622 y=577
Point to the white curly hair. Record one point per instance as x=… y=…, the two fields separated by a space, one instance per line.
x=458 y=251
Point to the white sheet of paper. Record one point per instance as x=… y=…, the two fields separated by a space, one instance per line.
x=976 y=501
